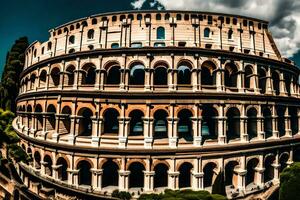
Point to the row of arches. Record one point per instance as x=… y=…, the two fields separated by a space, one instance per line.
x=113 y=75
x=257 y=171
x=286 y=120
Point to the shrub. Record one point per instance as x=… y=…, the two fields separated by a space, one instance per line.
x=121 y=195
x=290 y=182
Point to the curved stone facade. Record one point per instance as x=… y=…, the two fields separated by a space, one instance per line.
x=143 y=101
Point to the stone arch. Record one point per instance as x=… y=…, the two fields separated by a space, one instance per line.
x=230 y=173
x=69 y=78
x=50 y=122
x=55 y=76
x=39 y=118
x=251 y=176
x=37 y=159
x=110 y=176
x=276 y=81
x=185 y=129
x=293 y=113
x=62 y=169
x=43 y=78
x=249 y=77
x=84 y=173
x=280 y=111
x=252 y=123
x=210 y=171
x=48 y=165
x=209 y=124
x=269 y=168
x=113 y=73
x=136 y=176
x=89 y=75
x=160 y=73
x=184 y=72
x=267 y=114
x=262 y=75
x=185 y=175
x=137 y=73
x=233 y=123
x=111 y=121
x=161 y=175
x=65 y=120
x=283 y=160
x=208 y=72
x=231 y=72
x=136 y=122
x=32 y=80
x=160 y=124
x=85 y=122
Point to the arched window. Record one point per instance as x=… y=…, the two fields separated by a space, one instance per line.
x=62 y=170
x=115 y=45
x=230 y=174
x=90 y=34
x=49 y=46
x=51 y=111
x=269 y=168
x=252 y=123
x=267 y=122
x=136 y=123
x=233 y=124
x=113 y=75
x=230 y=32
x=208 y=73
x=288 y=80
x=110 y=175
x=37 y=160
x=230 y=75
x=111 y=123
x=32 y=81
x=136 y=176
x=85 y=124
x=160 y=75
x=185 y=125
x=281 y=120
x=48 y=165
x=251 y=171
x=185 y=175
x=183 y=75
x=158 y=16
x=55 y=76
x=43 y=76
x=66 y=122
x=160 y=124
x=161 y=175
x=70 y=75
x=160 y=33
x=84 y=174
x=94 y=21
x=137 y=74
x=276 y=82
x=207 y=32
x=90 y=74
x=262 y=79
x=72 y=39
x=209 y=123
x=209 y=174
x=249 y=78
x=39 y=117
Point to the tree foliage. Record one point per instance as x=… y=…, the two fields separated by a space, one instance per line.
x=290 y=183
x=9 y=86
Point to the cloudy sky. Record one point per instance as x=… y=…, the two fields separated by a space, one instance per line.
x=33 y=18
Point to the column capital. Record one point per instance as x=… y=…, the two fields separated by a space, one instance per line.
x=96 y=171
x=173 y=173
x=124 y=173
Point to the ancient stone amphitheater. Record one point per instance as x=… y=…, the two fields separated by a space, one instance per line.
x=147 y=100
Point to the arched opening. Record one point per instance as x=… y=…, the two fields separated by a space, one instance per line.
x=208 y=73
x=89 y=77
x=206 y=32
x=111 y=122
x=288 y=80
x=160 y=124
x=137 y=74
x=16 y=195
x=37 y=160
x=32 y=81
x=184 y=74
x=43 y=77
x=283 y=160
x=209 y=123
x=230 y=33
x=269 y=169
x=281 y=120
x=209 y=174
x=160 y=33
x=62 y=169
x=66 y=122
x=267 y=122
x=160 y=75
x=48 y=165
x=249 y=78
x=136 y=123
x=276 y=82
x=39 y=117
x=294 y=119
x=231 y=75
x=230 y=174
x=85 y=123
x=252 y=123
x=72 y=39
x=55 y=76
x=90 y=34
x=50 y=123
x=233 y=124
x=251 y=172
x=262 y=80
x=113 y=75
x=185 y=125
x=110 y=175
x=185 y=175
x=29 y=116
x=70 y=75
x=84 y=173
x=161 y=175
x=136 y=176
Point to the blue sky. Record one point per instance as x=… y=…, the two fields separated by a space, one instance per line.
x=33 y=18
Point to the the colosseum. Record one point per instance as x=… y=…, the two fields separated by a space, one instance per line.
x=147 y=100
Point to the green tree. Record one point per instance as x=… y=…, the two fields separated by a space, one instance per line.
x=9 y=86
x=290 y=183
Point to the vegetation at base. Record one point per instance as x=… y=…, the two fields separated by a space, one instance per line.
x=9 y=86
x=182 y=195
x=219 y=185
x=121 y=195
x=290 y=183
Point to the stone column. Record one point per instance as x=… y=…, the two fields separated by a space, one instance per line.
x=148 y=128
x=172 y=132
x=55 y=171
x=240 y=81
x=269 y=85
x=260 y=122
x=173 y=180
x=241 y=183
x=73 y=128
x=123 y=131
x=124 y=180
x=243 y=126
x=282 y=87
x=194 y=79
x=56 y=131
x=287 y=124
x=43 y=168
x=276 y=167
x=274 y=123
x=260 y=172
x=149 y=181
x=96 y=130
x=147 y=78
x=197 y=131
x=221 y=125
x=97 y=179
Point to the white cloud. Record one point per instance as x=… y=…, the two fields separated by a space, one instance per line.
x=284 y=15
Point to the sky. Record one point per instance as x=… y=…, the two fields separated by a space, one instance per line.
x=34 y=18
